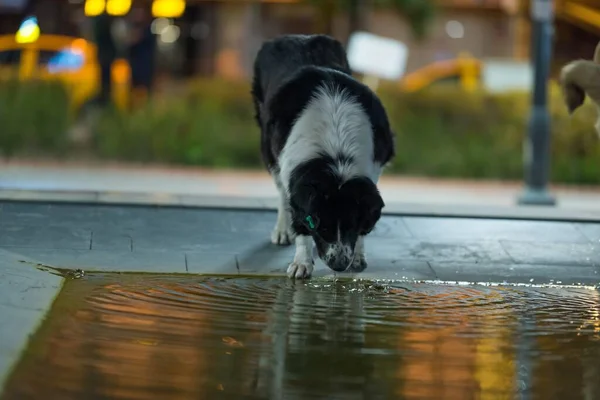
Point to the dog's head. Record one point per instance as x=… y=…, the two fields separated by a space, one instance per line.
x=335 y=214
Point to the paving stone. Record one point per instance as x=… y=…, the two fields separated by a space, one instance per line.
x=198 y=239
x=377 y=269
x=16 y=327
x=81 y=216
x=440 y=229
x=553 y=253
x=516 y=273
x=390 y=269
x=25 y=287
x=109 y=260
x=26 y=295
x=36 y=213
x=263 y=263
x=262 y=222
x=274 y=260
x=48 y=237
x=445 y=250
x=160 y=237
x=211 y=263
x=103 y=239
x=591 y=231
x=391 y=227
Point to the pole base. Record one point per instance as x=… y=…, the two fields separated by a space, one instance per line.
x=536 y=197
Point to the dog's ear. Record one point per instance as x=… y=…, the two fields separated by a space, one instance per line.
x=303 y=197
x=370 y=203
x=373 y=203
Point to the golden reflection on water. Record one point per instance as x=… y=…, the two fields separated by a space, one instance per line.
x=145 y=337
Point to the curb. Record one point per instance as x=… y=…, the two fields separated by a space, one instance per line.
x=270 y=204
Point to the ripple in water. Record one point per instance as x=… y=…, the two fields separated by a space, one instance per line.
x=144 y=337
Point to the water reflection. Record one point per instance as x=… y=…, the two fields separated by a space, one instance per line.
x=131 y=337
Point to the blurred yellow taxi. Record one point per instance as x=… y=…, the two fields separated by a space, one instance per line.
x=464 y=70
x=71 y=60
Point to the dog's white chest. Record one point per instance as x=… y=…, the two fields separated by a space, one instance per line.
x=332 y=124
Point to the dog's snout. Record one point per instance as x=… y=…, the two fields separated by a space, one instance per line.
x=339 y=257
x=340 y=264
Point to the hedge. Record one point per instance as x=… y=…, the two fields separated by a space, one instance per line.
x=34 y=116
x=440 y=132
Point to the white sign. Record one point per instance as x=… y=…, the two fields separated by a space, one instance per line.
x=377 y=56
x=507 y=75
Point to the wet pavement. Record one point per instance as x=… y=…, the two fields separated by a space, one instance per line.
x=156 y=337
x=226 y=241
x=143 y=337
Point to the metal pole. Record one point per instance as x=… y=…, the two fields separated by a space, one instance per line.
x=357 y=16
x=537 y=144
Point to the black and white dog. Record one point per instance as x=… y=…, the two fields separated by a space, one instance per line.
x=325 y=139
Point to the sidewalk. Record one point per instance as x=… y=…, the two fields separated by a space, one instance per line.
x=57 y=231
x=87 y=234
x=125 y=184
x=235 y=241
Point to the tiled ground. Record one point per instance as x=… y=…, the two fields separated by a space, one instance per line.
x=157 y=239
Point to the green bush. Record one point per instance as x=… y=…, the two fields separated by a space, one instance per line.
x=195 y=130
x=446 y=132
x=34 y=116
x=440 y=132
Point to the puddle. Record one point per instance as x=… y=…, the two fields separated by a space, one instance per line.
x=151 y=337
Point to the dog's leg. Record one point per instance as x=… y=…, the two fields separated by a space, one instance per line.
x=282 y=234
x=360 y=258
x=303 y=265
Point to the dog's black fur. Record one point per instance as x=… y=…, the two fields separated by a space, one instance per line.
x=288 y=72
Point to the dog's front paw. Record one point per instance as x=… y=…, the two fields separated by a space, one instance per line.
x=299 y=270
x=359 y=264
x=282 y=236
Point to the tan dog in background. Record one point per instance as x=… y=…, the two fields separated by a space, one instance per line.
x=579 y=78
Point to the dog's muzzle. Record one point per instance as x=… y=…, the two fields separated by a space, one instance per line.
x=339 y=256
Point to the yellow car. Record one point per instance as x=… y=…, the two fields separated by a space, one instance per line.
x=71 y=60
x=464 y=69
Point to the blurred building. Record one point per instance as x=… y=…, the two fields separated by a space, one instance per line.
x=577 y=29
x=221 y=37
x=483 y=28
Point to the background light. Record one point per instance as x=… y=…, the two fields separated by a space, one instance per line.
x=94 y=8
x=118 y=7
x=455 y=29
x=168 y=8
x=29 y=31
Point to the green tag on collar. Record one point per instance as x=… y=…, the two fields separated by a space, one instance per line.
x=311 y=224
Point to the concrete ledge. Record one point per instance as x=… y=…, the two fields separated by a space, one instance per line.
x=26 y=295
x=270 y=203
